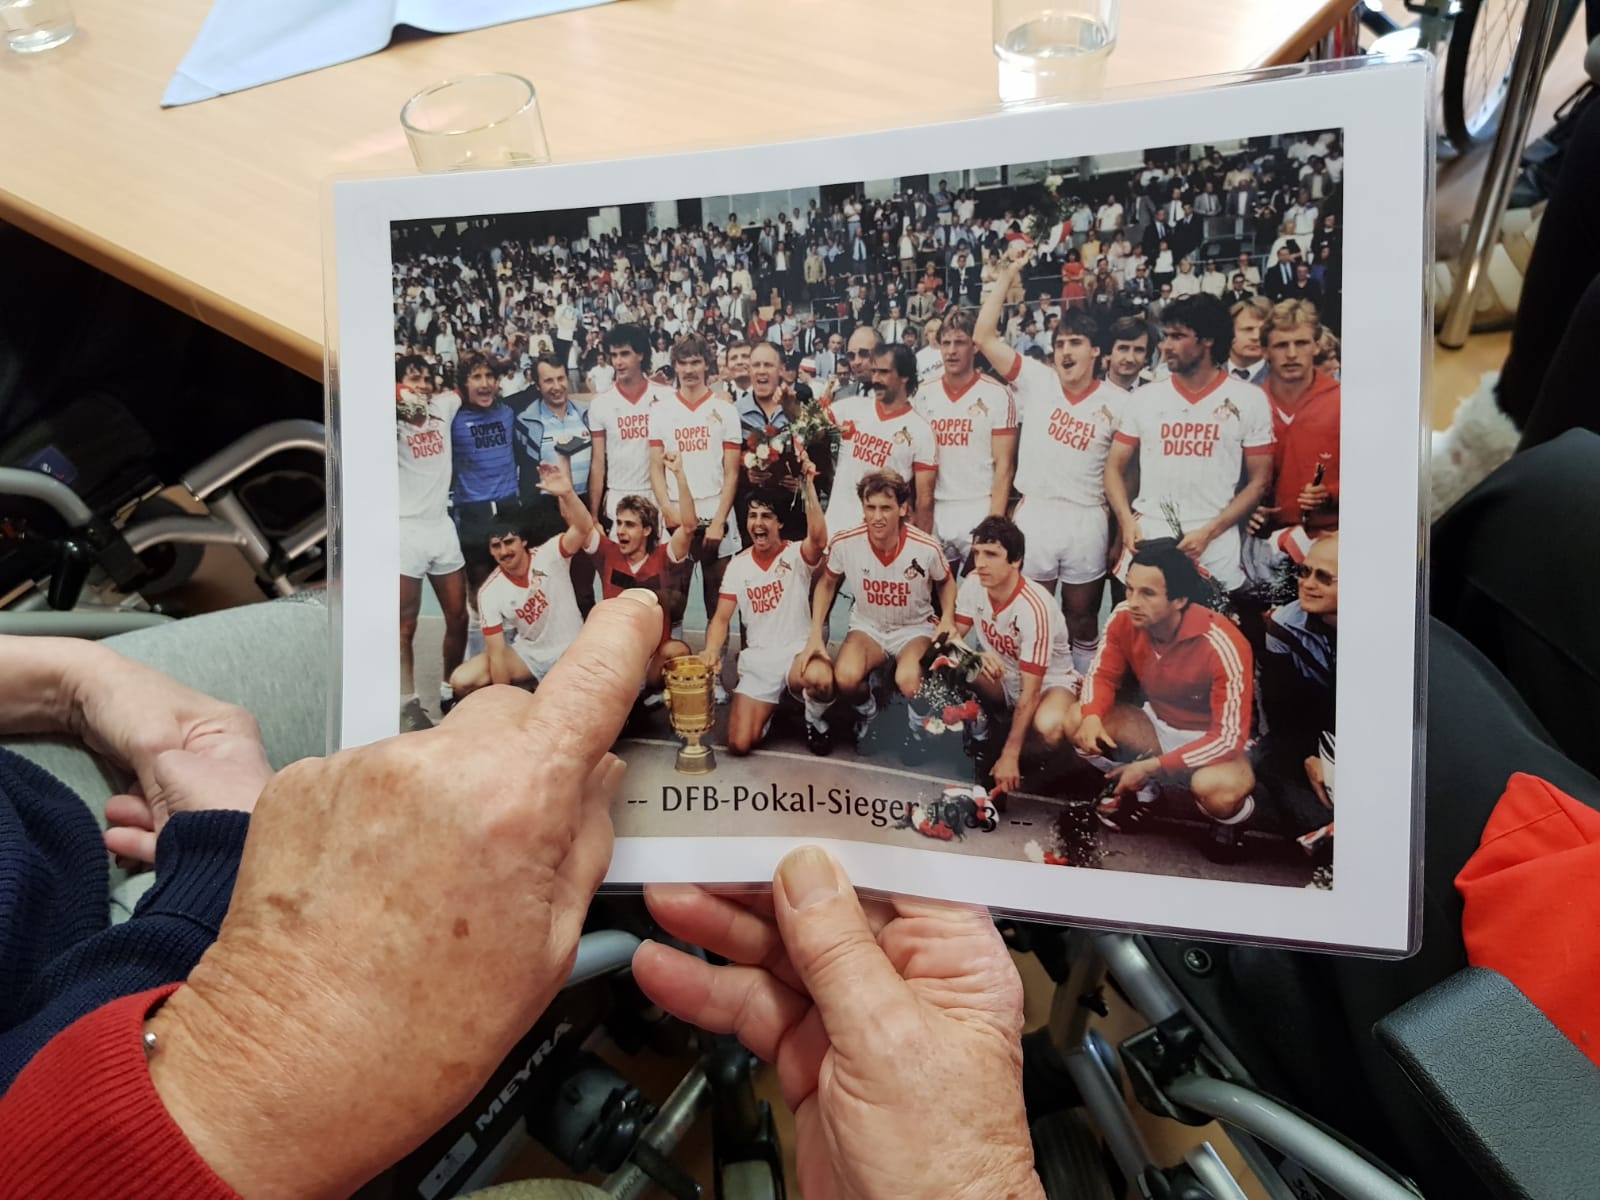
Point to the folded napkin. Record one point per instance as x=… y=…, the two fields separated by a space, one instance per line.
x=245 y=43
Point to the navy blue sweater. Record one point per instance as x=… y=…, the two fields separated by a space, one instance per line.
x=60 y=957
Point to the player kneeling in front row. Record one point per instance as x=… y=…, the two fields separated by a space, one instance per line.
x=892 y=568
x=1196 y=672
x=635 y=557
x=770 y=585
x=1027 y=653
x=530 y=613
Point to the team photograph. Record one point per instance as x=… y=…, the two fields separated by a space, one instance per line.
x=991 y=511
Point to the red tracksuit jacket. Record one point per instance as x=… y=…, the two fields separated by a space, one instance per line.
x=1305 y=438
x=1201 y=680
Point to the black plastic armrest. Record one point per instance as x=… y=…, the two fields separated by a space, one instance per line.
x=1520 y=1101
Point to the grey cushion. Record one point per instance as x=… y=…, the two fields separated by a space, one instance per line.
x=271 y=658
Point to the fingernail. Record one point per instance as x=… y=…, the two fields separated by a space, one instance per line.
x=616 y=772
x=642 y=596
x=808 y=877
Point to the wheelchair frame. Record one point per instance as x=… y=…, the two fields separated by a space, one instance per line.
x=1179 y=1069
x=101 y=558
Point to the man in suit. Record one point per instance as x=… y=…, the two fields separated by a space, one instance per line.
x=1241 y=202
x=1328 y=235
x=920 y=308
x=1186 y=233
x=1237 y=291
x=1137 y=292
x=1246 y=359
x=1155 y=233
x=962 y=279
x=808 y=340
x=1173 y=209
x=893 y=327
x=1251 y=273
x=827 y=358
x=1278 y=281
x=1304 y=287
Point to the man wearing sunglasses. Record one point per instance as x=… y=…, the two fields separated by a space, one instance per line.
x=859 y=352
x=1298 y=669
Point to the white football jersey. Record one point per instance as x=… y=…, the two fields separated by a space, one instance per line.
x=774 y=598
x=889 y=593
x=1062 y=447
x=624 y=423
x=425 y=458
x=1028 y=631
x=699 y=433
x=902 y=443
x=1192 y=446
x=963 y=425
x=541 y=609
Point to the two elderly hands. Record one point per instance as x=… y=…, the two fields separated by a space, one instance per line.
x=415 y=893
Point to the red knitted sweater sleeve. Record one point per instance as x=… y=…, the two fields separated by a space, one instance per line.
x=83 y=1119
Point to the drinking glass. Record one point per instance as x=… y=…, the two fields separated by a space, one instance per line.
x=34 y=25
x=1053 y=48
x=475 y=122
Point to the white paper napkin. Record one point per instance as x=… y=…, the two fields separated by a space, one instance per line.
x=245 y=43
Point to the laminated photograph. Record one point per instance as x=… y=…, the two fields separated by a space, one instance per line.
x=1032 y=498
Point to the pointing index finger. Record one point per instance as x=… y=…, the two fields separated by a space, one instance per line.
x=578 y=709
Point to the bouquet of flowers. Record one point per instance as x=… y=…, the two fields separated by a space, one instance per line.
x=774 y=452
x=946 y=701
x=409 y=406
x=814 y=423
x=1073 y=842
x=763 y=450
x=952 y=813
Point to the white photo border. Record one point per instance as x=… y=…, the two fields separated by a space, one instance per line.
x=1383 y=106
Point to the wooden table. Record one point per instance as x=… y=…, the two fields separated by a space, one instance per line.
x=214 y=207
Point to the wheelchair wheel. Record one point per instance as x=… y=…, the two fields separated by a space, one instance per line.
x=170 y=564
x=1477 y=65
x=1069 y=1159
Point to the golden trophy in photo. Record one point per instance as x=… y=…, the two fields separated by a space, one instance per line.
x=693 y=712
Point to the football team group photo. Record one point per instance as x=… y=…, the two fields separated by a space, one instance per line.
x=999 y=505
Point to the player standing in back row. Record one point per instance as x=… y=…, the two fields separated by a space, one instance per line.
x=429 y=545
x=619 y=423
x=1193 y=436
x=881 y=431
x=703 y=429
x=975 y=424
x=1068 y=419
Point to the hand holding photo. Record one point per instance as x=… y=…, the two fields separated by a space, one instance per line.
x=1014 y=492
